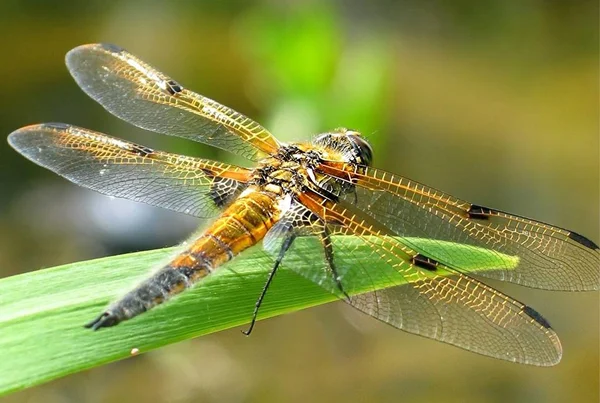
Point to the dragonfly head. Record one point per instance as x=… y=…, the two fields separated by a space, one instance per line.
x=351 y=144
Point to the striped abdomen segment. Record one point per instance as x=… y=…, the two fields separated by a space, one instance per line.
x=242 y=225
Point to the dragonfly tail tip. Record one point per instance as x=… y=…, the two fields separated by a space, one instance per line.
x=107 y=319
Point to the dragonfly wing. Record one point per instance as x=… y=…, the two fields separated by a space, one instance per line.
x=493 y=325
x=143 y=96
x=549 y=257
x=122 y=169
x=395 y=284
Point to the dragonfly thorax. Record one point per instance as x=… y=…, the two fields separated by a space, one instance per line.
x=286 y=172
x=295 y=167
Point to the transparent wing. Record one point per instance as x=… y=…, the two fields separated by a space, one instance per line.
x=549 y=257
x=141 y=95
x=426 y=297
x=119 y=168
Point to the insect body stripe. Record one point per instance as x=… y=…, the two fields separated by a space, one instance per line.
x=242 y=225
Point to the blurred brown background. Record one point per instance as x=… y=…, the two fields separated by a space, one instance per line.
x=495 y=102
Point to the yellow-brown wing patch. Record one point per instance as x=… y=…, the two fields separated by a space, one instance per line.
x=119 y=168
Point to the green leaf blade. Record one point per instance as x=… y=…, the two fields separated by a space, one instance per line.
x=42 y=313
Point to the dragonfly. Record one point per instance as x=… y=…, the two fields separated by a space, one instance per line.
x=326 y=192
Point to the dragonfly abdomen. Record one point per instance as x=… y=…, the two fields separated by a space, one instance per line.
x=242 y=225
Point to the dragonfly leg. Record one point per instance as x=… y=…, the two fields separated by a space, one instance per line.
x=328 y=248
x=289 y=239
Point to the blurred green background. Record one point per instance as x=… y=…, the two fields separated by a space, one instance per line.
x=495 y=102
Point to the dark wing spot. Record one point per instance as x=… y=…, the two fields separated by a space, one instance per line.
x=583 y=240
x=479 y=212
x=173 y=87
x=56 y=125
x=536 y=316
x=424 y=262
x=142 y=151
x=112 y=48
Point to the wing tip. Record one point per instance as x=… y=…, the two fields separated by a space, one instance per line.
x=554 y=350
x=73 y=55
x=553 y=358
x=40 y=127
x=97 y=46
x=14 y=137
x=18 y=138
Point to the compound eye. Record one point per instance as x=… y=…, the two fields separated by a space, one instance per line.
x=362 y=147
x=323 y=139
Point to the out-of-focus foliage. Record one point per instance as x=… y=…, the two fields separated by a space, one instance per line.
x=493 y=101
